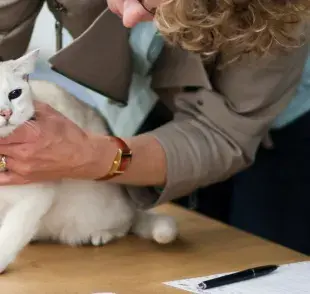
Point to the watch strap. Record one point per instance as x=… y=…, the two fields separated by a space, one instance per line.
x=122 y=159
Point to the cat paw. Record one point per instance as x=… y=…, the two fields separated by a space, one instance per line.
x=4 y=263
x=101 y=238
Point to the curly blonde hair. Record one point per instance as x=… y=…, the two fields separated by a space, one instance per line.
x=233 y=27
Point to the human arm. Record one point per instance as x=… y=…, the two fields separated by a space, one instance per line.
x=214 y=134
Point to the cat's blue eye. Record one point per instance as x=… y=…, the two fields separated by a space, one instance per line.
x=15 y=94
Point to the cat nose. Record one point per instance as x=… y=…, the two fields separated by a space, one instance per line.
x=6 y=113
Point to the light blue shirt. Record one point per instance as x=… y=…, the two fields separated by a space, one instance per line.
x=300 y=104
x=146 y=45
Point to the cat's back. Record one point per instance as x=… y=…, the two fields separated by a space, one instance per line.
x=68 y=105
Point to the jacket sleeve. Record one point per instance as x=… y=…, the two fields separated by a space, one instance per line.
x=17 y=19
x=216 y=131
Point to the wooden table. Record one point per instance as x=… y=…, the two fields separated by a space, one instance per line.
x=132 y=265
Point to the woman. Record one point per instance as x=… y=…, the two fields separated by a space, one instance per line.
x=254 y=53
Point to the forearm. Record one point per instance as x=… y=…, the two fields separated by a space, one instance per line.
x=148 y=165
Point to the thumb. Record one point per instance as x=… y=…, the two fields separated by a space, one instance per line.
x=23 y=134
x=41 y=107
x=134 y=13
x=44 y=112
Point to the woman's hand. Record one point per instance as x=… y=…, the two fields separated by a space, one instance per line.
x=131 y=11
x=51 y=148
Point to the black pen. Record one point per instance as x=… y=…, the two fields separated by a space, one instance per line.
x=237 y=277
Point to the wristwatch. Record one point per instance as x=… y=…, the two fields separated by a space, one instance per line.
x=121 y=161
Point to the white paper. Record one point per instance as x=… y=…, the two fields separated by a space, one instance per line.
x=287 y=279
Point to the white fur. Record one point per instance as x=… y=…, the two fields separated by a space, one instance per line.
x=73 y=212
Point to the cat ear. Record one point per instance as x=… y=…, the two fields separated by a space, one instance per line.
x=25 y=65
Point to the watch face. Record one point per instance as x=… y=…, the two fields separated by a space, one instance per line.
x=125 y=160
x=121 y=160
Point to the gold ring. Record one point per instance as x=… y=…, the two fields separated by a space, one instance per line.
x=3 y=164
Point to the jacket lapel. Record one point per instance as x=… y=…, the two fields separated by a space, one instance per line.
x=99 y=59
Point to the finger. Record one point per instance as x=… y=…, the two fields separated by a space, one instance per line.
x=10 y=178
x=116 y=7
x=134 y=13
x=43 y=109
x=13 y=165
x=22 y=134
x=40 y=105
x=118 y=14
x=19 y=135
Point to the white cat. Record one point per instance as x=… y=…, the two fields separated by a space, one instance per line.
x=73 y=212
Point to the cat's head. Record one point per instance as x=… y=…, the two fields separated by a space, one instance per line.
x=16 y=97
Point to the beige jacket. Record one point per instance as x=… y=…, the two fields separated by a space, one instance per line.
x=216 y=130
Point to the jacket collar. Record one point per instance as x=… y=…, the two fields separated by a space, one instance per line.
x=100 y=59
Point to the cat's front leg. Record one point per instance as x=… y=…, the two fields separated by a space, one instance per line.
x=21 y=223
